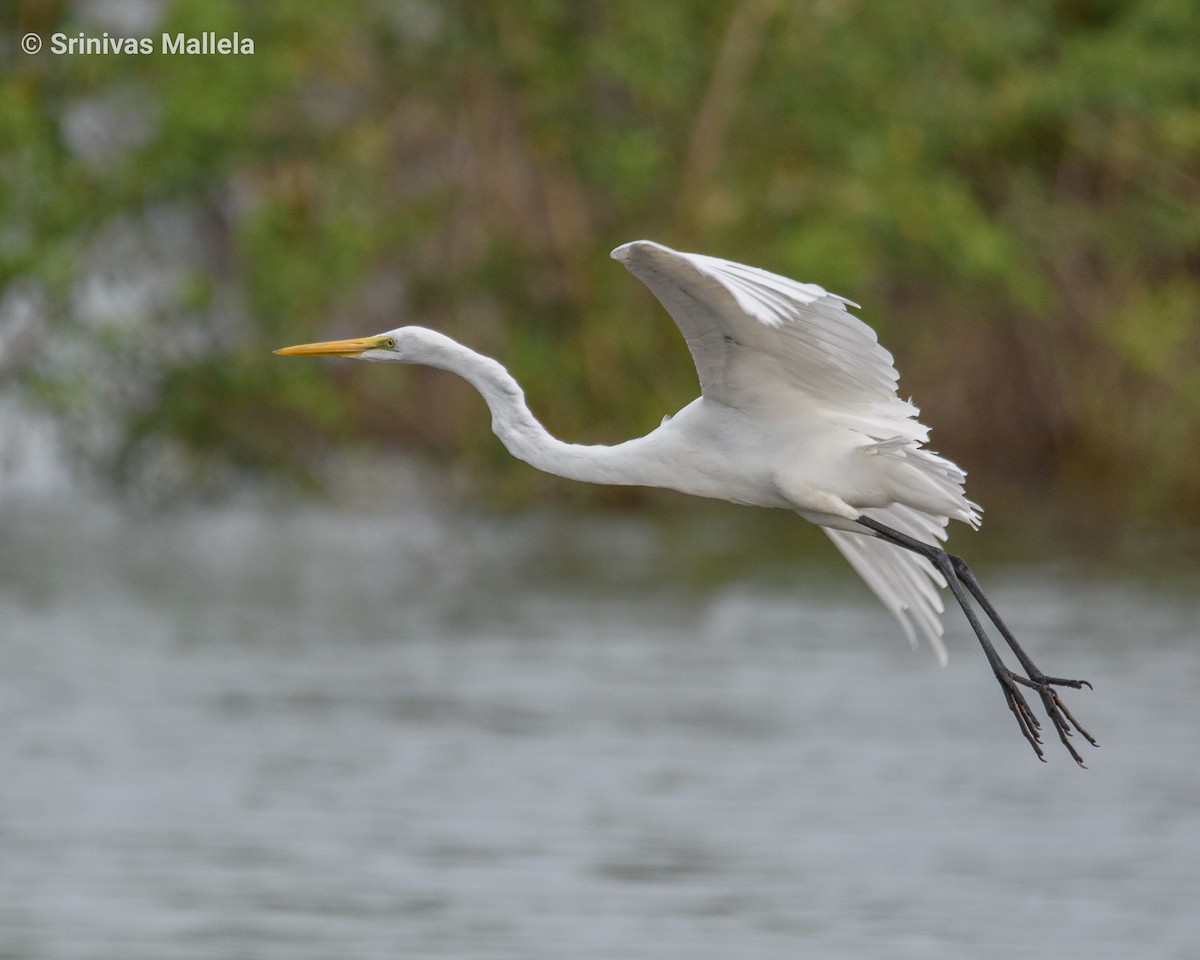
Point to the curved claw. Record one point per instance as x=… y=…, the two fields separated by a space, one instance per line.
x=1060 y=682
x=1029 y=724
x=1064 y=721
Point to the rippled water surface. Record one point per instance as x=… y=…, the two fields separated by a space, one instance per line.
x=305 y=733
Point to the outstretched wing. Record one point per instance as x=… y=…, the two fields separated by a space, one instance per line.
x=754 y=335
x=759 y=341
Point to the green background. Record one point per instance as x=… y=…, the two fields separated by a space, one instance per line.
x=1009 y=189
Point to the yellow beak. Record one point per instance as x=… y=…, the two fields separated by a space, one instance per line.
x=330 y=348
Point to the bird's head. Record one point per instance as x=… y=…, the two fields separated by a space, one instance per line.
x=402 y=345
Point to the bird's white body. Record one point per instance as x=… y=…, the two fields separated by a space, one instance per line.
x=798 y=410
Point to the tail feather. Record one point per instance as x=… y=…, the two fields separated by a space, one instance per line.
x=941 y=479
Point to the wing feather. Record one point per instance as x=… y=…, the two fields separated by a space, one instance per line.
x=906 y=583
x=762 y=341
x=751 y=331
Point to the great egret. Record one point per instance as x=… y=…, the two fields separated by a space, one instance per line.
x=798 y=409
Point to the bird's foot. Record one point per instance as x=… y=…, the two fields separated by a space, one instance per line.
x=1064 y=723
x=958 y=575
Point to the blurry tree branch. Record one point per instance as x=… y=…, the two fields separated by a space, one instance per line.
x=740 y=48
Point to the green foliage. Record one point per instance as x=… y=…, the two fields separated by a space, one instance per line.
x=1008 y=189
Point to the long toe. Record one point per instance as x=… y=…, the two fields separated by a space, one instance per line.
x=1026 y=719
x=1060 y=682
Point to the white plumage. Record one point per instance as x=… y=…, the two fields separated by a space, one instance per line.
x=783 y=350
x=798 y=410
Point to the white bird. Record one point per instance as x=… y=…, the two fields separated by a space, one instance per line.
x=798 y=410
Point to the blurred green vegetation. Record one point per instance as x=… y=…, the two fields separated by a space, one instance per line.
x=1009 y=188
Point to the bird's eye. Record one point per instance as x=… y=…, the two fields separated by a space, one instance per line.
x=388 y=343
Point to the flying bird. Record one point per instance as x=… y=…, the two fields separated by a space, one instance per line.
x=798 y=410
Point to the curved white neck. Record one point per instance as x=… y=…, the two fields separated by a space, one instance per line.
x=629 y=463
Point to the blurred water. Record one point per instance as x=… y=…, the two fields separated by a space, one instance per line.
x=301 y=733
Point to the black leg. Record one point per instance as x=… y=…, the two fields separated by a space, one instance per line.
x=958 y=575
